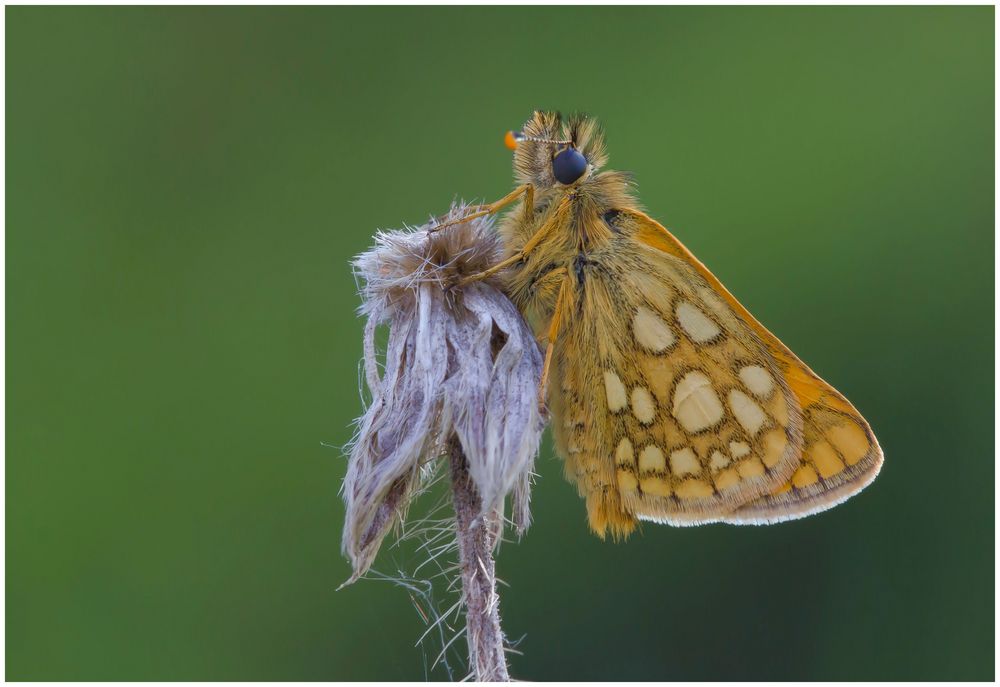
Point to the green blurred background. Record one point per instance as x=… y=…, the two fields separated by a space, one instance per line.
x=186 y=186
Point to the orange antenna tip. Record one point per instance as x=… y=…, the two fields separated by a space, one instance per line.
x=511 y=138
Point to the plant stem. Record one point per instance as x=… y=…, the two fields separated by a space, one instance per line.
x=477 y=534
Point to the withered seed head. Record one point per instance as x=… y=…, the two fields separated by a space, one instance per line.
x=459 y=361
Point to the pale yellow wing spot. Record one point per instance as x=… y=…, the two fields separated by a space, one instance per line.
x=696 y=324
x=719 y=460
x=757 y=381
x=651 y=332
x=651 y=459
x=727 y=479
x=695 y=489
x=695 y=403
x=654 y=486
x=615 y=391
x=849 y=440
x=684 y=462
x=643 y=406
x=625 y=454
x=747 y=412
x=738 y=449
x=627 y=482
x=774 y=443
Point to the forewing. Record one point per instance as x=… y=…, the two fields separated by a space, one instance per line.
x=840 y=455
x=670 y=406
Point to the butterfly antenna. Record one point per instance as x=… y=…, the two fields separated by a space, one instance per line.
x=514 y=137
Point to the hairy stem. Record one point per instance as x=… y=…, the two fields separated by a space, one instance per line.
x=476 y=539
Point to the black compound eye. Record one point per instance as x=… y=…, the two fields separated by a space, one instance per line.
x=569 y=165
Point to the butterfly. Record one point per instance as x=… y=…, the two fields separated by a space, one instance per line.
x=669 y=401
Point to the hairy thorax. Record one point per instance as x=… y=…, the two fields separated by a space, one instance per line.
x=578 y=230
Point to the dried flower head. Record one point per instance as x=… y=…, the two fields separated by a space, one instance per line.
x=460 y=361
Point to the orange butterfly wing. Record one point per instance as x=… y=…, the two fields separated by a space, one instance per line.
x=840 y=455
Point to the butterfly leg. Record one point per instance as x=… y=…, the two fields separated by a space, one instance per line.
x=526 y=190
x=519 y=255
x=557 y=315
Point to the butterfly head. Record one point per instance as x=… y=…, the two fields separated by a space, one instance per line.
x=552 y=153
